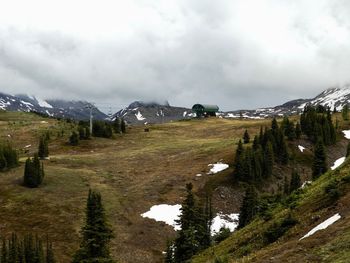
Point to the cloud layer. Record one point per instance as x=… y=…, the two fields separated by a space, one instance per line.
x=237 y=54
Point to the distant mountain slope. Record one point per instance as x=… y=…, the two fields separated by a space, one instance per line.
x=140 y=112
x=333 y=97
x=54 y=108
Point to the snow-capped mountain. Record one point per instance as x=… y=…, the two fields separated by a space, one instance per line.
x=140 y=112
x=55 y=108
x=333 y=97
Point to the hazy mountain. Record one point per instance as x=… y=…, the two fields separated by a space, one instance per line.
x=55 y=108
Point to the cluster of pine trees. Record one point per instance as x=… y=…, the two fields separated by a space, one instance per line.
x=102 y=129
x=255 y=163
x=29 y=249
x=84 y=132
x=33 y=172
x=96 y=233
x=8 y=157
x=316 y=123
x=119 y=125
x=194 y=235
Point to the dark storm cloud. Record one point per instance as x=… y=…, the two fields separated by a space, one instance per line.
x=237 y=54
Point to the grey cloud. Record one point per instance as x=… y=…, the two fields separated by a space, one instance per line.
x=207 y=60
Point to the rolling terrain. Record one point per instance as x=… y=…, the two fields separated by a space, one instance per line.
x=133 y=172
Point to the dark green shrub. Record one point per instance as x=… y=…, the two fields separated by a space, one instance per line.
x=278 y=229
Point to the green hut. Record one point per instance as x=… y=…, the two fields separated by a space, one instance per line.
x=205 y=110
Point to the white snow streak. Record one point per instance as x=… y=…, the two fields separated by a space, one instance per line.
x=301 y=148
x=338 y=162
x=139 y=116
x=323 y=225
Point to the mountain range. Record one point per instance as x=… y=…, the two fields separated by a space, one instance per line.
x=79 y=110
x=140 y=113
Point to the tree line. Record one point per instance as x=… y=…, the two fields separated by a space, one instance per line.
x=8 y=156
x=29 y=249
x=316 y=123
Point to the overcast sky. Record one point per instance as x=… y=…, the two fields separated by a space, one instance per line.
x=234 y=53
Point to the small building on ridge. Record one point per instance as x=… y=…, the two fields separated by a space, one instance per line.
x=205 y=110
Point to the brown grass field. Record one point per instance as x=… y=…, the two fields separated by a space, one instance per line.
x=132 y=171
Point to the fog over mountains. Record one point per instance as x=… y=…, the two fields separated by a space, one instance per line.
x=140 y=113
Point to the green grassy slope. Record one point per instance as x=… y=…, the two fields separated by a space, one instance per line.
x=328 y=195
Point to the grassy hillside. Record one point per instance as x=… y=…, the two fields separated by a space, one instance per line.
x=132 y=171
x=274 y=235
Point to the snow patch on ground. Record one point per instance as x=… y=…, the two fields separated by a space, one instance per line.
x=338 y=162
x=139 y=116
x=165 y=213
x=170 y=213
x=217 y=167
x=323 y=225
x=301 y=148
x=346 y=134
x=221 y=220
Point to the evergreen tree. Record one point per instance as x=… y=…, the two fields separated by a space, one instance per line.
x=345 y=112
x=249 y=207
x=74 y=139
x=169 y=253
x=27 y=250
x=319 y=165
x=117 y=125
x=96 y=234
x=82 y=132
x=295 y=182
x=3 y=162
x=246 y=137
x=274 y=126
x=195 y=228
x=43 y=150
x=123 y=126
x=239 y=152
x=298 y=131
x=268 y=160
x=286 y=188
x=33 y=172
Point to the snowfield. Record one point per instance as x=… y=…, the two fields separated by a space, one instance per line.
x=170 y=213
x=139 y=116
x=217 y=167
x=165 y=213
x=323 y=225
x=338 y=162
x=301 y=148
x=347 y=134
